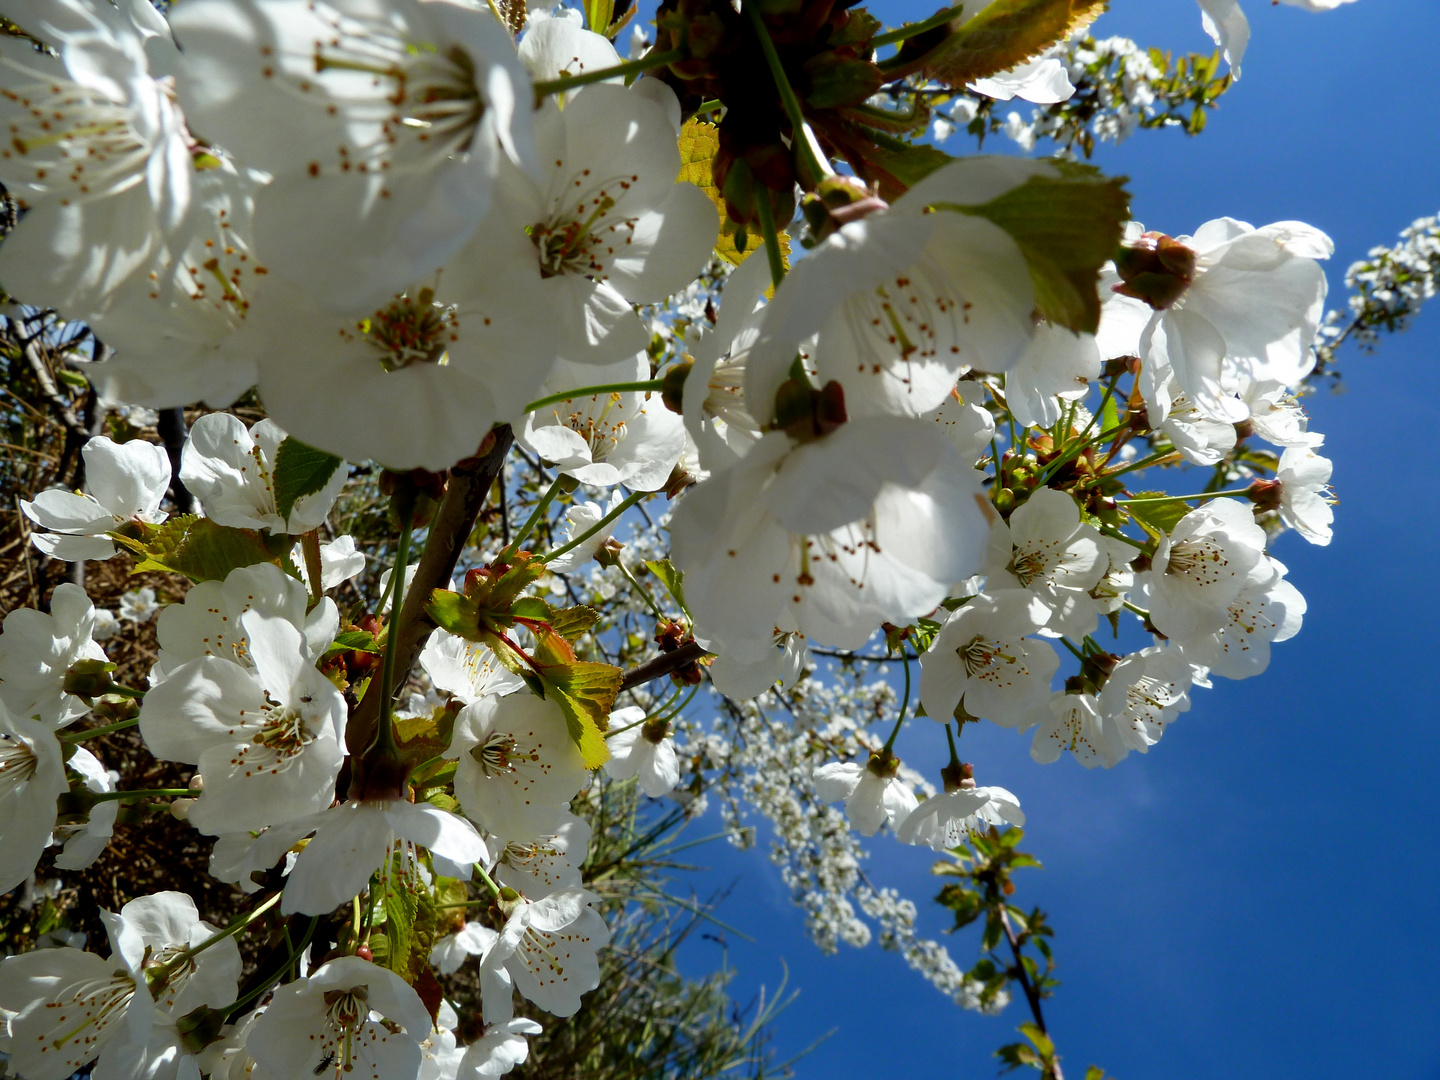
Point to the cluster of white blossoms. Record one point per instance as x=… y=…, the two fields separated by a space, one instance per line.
x=417 y=235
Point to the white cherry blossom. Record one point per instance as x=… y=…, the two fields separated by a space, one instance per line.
x=467 y=669
x=32 y=777
x=872 y=792
x=984 y=660
x=644 y=750
x=540 y=866
x=232 y=472
x=37 y=649
x=1045 y=548
x=87 y=842
x=1305 y=495
x=1043 y=82
x=450 y=951
x=502 y=1047
x=269 y=740
x=1144 y=693
x=1201 y=566
x=945 y=821
x=518 y=766
x=580 y=518
x=1269 y=609
x=548 y=948
x=401 y=114
x=1057 y=367
x=1073 y=722
x=127 y=483
x=351 y=1017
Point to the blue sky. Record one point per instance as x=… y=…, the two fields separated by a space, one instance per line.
x=1258 y=896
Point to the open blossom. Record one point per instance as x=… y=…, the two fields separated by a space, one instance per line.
x=1057 y=367
x=580 y=518
x=139 y=605
x=1203 y=565
x=548 y=946
x=984 y=660
x=518 y=766
x=32 y=777
x=902 y=302
x=87 y=841
x=540 y=866
x=406 y=110
x=873 y=793
x=1305 y=496
x=66 y=1006
x=127 y=483
x=37 y=649
x=1046 y=549
x=609 y=224
x=350 y=1018
x=1073 y=722
x=1144 y=693
x=625 y=437
x=502 y=1047
x=232 y=472
x=207 y=622
x=1268 y=609
x=716 y=413
x=269 y=740
x=828 y=538
x=945 y=821
x=96 y=150
x=644 y=750
x=467 y=669
x=449 y=952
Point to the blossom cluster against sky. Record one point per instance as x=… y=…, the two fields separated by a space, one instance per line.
x=1257 y=896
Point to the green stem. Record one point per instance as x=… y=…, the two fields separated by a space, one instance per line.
x=644 y=592
x=650 y=60
x=149 y=793
x=708 y=106
x=125 y=692
x=1116 y=534
x=802 y=140
x=954 y=754
x=487 y=880
x=1143 y=463
x=904 y=705
x=1137 y=610
x=384 y=728
x=95 y=732
x=909 y=30
x=630 y=500
x=1076 y=449
x=534 y=519
x=591 y=391
x=772 y=238
x=1078 y=654
x=1183 y=498
x=234 y=928
x=275 y=976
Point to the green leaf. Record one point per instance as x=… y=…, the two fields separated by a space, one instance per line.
x=532 y=607
x=585 y=693
x=454 y=612
x=358 y=640
x=671 y=578
x=572 y=622
x=1157 y=518
x=896 y=167
x=198 y=548
x=410 y=924
x=300 y=470
x=1002 y=35
x=1066 y=227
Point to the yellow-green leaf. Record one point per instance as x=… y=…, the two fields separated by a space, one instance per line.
x=699 y=143
x=585 y=693
x=199 y=548
x=1003 y=34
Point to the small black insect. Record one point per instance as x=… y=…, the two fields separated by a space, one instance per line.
x=325 y=1063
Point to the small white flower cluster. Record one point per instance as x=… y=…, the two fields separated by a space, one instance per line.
x=1388 y=287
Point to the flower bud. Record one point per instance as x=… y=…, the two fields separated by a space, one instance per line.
x=957 y=775
x=608 y=553
x=655 y=730
x=1265 y=494
x=672 y=393
x=1156 y=268
x=88 y=679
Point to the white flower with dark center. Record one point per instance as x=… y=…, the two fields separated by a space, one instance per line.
x=903 y=301
x=36 y=651
x=127 y=483
x=1046 y=549
x=1073 y=722
x=207 y=622
x=32 y=777
x=609 y=223
x=984 y=660
x=418 y=378
x=828 y=538
x=1268 y=609
x=232 y=472
x=351 y=1018
x=1144 y=693
x=946 y=821
x=95 y=149
x=643 y=749
x=548 y=948
x=1305 y=495
x=518 y=766
x=1201 y=567
x=627 y=437
x=396 y=120
x=872 y=792
x=269 y=740
x=66 y=1007
x=538 y=867
x=467 y=669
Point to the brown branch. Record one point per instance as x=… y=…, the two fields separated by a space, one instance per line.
x=1032 y=992
x=465 y=495
x=663 y=664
